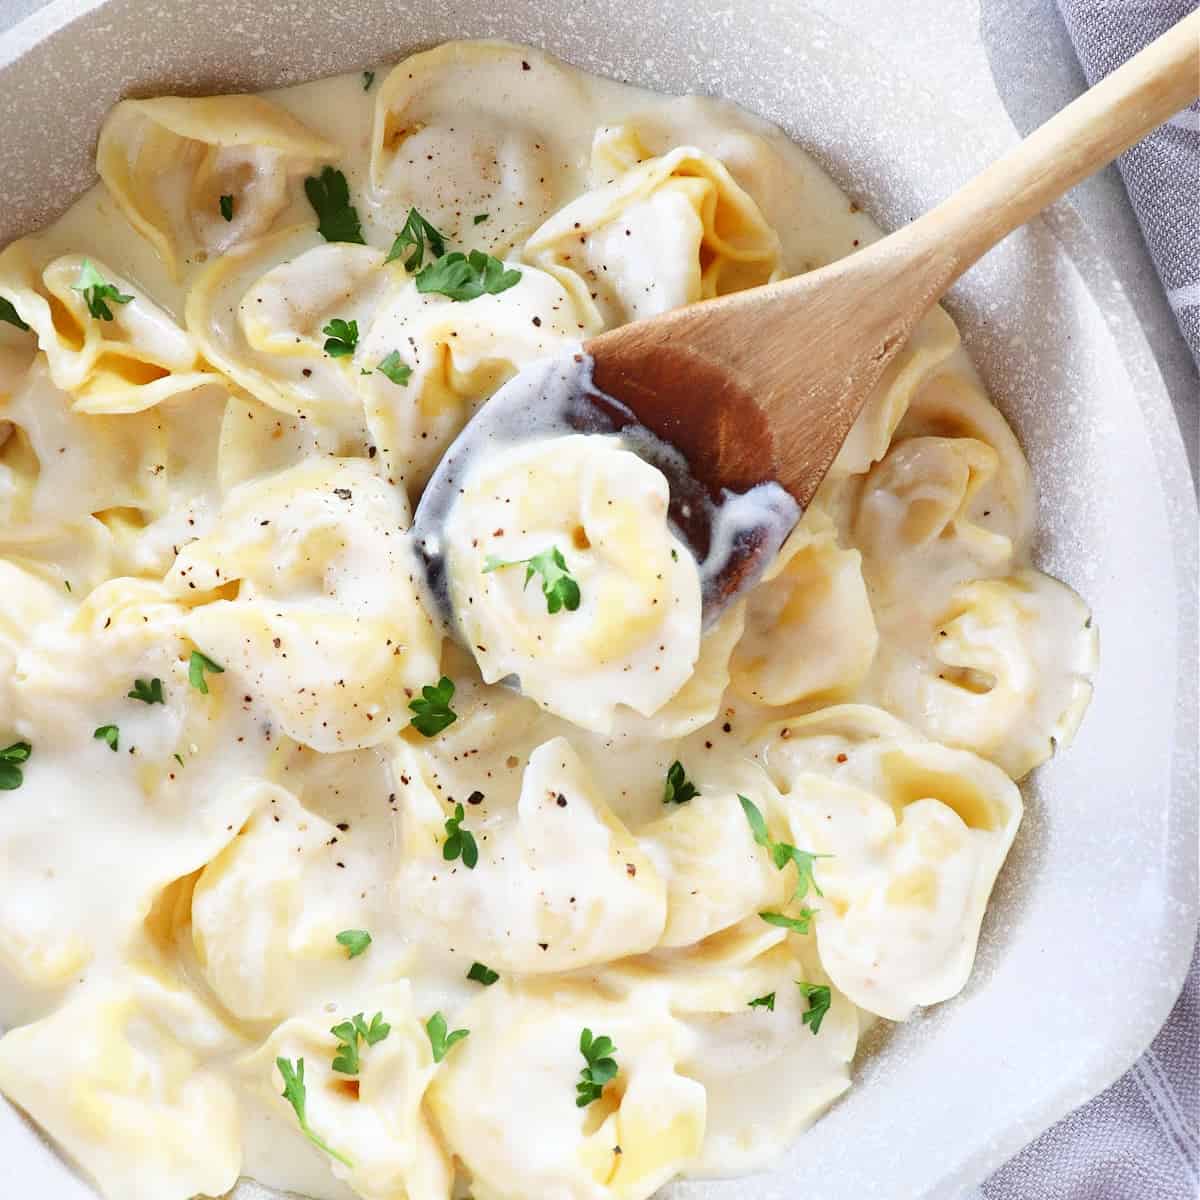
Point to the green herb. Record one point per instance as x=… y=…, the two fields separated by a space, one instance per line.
x=368 y=79
x=818 y=997
x=460 y=841
x=601 y=1068
x=767 y=1002
x=395 y=368
x=348 y=1034
x=9 y=313
x=295 y=1093
x=481 y=974
x=678 y=789
x=416 y=232
x=197 y=665
x=341 y=337
x=178 y=758
x=355 y=941
x=227 y=207
x=432 y=708
x=467 y=276
x=439 y=1040
x=68 y=583
x=147 y=693
x=797 y=924
x=110 y=734
x=479 y=218
x=11 y=757
x=782 y=853
x=560 y=590
x=329 y=194
x=96 y=291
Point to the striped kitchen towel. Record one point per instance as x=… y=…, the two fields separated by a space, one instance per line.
x=1162 y=173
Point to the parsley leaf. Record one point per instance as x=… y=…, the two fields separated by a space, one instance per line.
x=782 y=853
x=348 y=1034
x=197 y=665
x=460 y=841
x=767 y=1002
x=818 y=997
x=797 y=924
x=9 y=313
x=355 y=941
x=439 y=1040
x=11 y=775
x=467 y=276
x=341 y=337
x=481 y=974
x=226 y=203
x=329 y=194
x=110 y=734
x=295 y=1093
x=432 y=708
x=395 y=368
x=560 y=590
x=416 y=232
x=368 y=79
x=601 y=1068
x=479 y=218
x=96 y=291
x=678 y=789
x=147 y=693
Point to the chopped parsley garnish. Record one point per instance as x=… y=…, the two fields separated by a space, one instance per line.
x=416 y=233
x=818 y=997
x=395 y=368
x=355 y=941
x=11 y=758
x=9 y=313
x=432 y=708
x=782 y=853
x=797 y=924
x=348 y=1034
x=198 y=664
x=467 y=276
x=560 y=590
x=601 y=1068
x=767 y=1002
x=368 y=79
x=329 y=194
x=110 y=734
x=178 y=758
x=439 y=1040
x=295 y=1093
x=479 y=218
x=227 y=207
x=460 y=841
x=481 y=974
x=341 y=337
x=96 y=291
x=678 y=788
x=148 y=692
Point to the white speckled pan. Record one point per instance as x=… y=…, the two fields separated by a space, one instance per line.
x=1089 y=934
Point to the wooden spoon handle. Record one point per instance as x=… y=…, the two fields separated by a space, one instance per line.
x=1086 y=135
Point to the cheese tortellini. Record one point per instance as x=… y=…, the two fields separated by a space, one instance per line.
x=364 y=852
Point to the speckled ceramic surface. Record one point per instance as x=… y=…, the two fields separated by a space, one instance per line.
x=1089 y=933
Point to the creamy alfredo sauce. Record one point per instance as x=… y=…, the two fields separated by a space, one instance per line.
x=213 y=622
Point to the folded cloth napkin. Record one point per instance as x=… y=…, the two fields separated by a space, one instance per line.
x=1162 y=173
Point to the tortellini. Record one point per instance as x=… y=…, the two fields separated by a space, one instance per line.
x=666 y=232
x=633 y=636
x=120 y=1094
x=168 y=163
x=326 y=627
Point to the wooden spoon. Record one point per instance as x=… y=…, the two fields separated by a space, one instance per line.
x=763 y=385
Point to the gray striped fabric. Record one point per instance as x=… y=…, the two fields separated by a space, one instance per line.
x=1162 y=173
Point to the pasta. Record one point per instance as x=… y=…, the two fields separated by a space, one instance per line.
x=363 y=858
